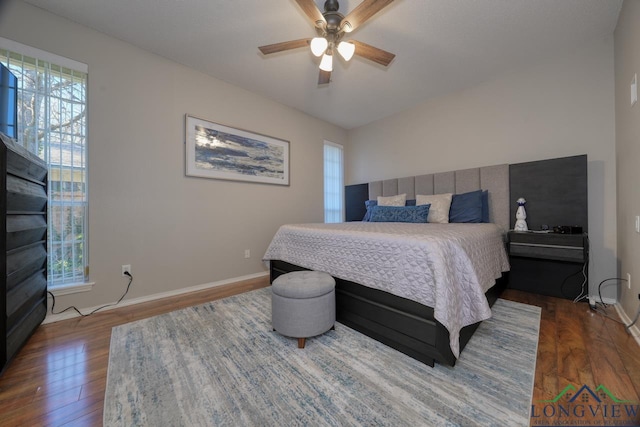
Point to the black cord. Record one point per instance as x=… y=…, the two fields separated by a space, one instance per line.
x=73 y=307
x=600 y=307
x=633 y=322
x=601 y=310
x=600 y=288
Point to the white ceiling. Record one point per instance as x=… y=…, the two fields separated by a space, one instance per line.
x=441 y=45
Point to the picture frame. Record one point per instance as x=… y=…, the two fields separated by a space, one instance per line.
x=218 y=151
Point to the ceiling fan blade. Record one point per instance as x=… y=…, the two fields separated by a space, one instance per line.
x=324 y=77
x=279 y=47
x=362 y=13
x=372 y=53
x=311 y=10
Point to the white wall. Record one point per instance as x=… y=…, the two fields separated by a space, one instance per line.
x=560 y=108
x=175 y=231
x=627 y=54
x=179 y=232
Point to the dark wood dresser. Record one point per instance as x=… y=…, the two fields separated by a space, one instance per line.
x=23 y=286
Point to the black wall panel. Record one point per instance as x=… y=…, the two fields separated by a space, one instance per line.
x=355 y=196
x=555 y=191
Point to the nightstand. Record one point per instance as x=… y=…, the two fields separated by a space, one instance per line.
x=549 y=263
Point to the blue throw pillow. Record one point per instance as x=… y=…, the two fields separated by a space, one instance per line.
x=466 y=207
x=371 y=203
x=415 y=214
x=485 y=206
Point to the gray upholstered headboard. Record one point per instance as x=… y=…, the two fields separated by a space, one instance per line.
x=492 y=178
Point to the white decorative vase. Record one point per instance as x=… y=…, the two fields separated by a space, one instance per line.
x=521 y=216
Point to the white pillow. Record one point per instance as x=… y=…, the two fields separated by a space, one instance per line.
x=398 y=200
x=440 y=204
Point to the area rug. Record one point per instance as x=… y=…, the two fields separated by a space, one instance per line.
x=221 y=364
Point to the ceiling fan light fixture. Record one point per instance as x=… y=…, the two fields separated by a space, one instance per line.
x=346 y=27
x=326 y=64
x=318 y=46
x=330 y=28
x=346 y=50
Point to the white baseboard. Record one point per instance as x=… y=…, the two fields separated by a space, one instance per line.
x=634 y=330
x=71 y=314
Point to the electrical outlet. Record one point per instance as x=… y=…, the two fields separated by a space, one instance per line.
x=247 y=253
x=126 y=269
x=628 y=281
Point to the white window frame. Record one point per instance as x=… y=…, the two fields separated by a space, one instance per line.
x=74 y=283
x=333 y=182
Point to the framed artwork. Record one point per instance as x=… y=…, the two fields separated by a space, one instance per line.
x=222 y=152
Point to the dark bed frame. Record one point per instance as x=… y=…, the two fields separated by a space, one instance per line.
x=406 y=325
x=402 y=324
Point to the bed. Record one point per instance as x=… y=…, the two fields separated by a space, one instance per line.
x=422 y=289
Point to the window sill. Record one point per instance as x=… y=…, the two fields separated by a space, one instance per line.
x=72 y=288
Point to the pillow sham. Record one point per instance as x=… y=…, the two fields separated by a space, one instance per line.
x=440 y=204
x=413 y=214
x=398 y=200
x=466 y=207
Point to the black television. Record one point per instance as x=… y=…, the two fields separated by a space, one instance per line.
x=8 y=103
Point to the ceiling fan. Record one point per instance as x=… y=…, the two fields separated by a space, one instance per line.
x=331 y=26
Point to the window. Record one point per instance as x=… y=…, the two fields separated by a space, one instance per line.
x=52 y=123
x=333 y=182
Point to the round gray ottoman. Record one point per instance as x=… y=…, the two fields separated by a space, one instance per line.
x=303 y=304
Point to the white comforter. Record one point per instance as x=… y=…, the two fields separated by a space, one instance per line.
x=445 y=266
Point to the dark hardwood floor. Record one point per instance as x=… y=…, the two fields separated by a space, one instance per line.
x=579 y=347
x=59 y=377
